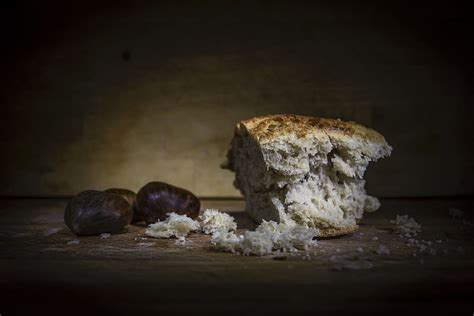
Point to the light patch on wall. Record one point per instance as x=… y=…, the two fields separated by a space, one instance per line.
x=85 y=117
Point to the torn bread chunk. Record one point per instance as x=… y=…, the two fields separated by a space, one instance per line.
x=305 y=169
x=175 y=225
x=213 y=220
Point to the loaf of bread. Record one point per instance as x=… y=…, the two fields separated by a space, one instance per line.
x=305 y=170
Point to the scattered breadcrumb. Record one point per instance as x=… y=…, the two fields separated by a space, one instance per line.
x=51 y=231
x=104 y=236
x=383 y=250
x=427 y=242
x=182 y=241
x=74 y=242
x=268 y=237
x=213 y=220
x=175 y=225
x=422 y=246
x=455 y=213
x=406 y=226
x=226 y=241
x=412 y=242
x=306 y=256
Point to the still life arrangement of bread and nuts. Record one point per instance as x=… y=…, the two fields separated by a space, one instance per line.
x=301 y=177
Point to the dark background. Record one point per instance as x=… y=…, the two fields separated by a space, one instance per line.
x=117 y=93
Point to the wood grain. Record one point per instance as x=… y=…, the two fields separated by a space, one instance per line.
x=42 y=271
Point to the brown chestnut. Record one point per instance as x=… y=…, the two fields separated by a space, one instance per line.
x=156 y=199
x=128 y=195
x=95 y=212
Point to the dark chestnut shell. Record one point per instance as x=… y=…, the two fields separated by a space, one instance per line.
x=156 y=199
x=128 y=195
x=94 y=212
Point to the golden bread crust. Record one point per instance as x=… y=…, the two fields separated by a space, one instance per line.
x=269 y=127
x=332 y=232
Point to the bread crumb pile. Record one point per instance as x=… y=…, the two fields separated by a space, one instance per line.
x=175 y=225
x=408 y=229
x=212 y=221
x=104 y=236
x=406 y=226
x=74 y=242
x=383 y=250
x=267 y=238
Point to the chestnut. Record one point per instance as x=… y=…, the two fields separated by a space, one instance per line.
x=128 y=195
x=156 y=199
x=95 y=212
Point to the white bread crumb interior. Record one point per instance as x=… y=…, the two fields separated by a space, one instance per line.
x=174 y=225
x=266 y=239
x=213 y=220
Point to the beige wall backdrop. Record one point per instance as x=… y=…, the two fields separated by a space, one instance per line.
x=124 y=96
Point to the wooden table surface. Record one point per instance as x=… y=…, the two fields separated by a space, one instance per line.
x=44 y=269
